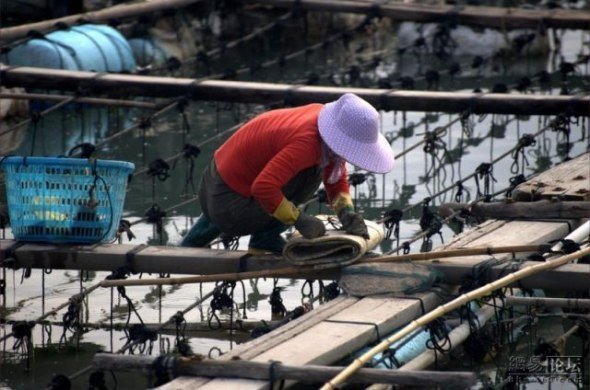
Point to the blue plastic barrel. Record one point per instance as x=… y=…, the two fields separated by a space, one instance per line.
x=146 y=52
x=89 y=47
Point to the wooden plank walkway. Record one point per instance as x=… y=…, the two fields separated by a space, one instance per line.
x=568 y=181
x=325 y=339
x=191 y=261
x=335 y=329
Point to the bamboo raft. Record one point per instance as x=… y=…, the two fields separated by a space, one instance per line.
x=340 y=327
x=346 y=324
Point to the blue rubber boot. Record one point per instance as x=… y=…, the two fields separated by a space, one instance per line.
x=269 y=240
x=201 y=233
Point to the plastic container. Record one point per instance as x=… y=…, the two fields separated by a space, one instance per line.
x=87 y=47
x=65 y=200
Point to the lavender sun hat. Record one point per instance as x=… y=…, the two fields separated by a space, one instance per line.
x=350 y=128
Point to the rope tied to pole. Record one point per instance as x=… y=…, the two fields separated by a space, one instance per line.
x=156 y=215
x=222 y=299
x=140 y=335
x=391 y=220
x=515 y=181
x=484 y=171
x=430 y=223
x=71 y=318
x=518 y=153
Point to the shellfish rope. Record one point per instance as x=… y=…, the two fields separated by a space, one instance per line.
x=448 y=307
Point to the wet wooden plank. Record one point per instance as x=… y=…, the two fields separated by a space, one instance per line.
x=329 y=340
x=569 y=180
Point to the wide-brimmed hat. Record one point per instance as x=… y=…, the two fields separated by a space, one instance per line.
x=350 y=127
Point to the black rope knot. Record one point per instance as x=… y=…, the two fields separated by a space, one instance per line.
x=388 y=358
x=392 y=219
x=484 y=171
x=407 y=82
x=173 y=63
x=460 y=189
x=406 y=247
x=500 y=88
x=432 y=79
x=439 y=340
x=96 y=381
x=229 y=74
x=430 y=223
x=60 y=382
x=154 y=214
x=125 y=227
x=276 y=302
x=477 y=62
x=145 y=123
x=140 y=334
x=569 y=246
x=433 y=142
x=525 y=141
x=523 y=84
x=158 y=169
x=21 y=330
x=514 y=181
x=356 y=178
x=331 y=291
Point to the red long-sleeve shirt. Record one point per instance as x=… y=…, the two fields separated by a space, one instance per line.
x=269 y=150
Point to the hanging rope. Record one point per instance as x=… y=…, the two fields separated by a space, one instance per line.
x=484 y=171
x=518 y=153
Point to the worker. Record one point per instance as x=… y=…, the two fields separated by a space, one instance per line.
x=278 y=160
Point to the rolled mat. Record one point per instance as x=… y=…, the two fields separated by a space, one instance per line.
x=335 y=248
x=388 y=278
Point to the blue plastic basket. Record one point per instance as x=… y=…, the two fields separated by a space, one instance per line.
x=65 y=200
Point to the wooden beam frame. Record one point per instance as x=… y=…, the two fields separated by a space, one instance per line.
x=294 y=95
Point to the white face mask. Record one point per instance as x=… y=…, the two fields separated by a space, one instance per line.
x=337 y=164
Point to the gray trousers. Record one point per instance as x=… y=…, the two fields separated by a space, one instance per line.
x=236 y=215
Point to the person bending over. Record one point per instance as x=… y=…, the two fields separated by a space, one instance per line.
x=278 y=160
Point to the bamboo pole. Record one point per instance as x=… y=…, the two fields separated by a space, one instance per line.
x=496 y=17
x=276 y=371
x=448 y=307
x=54 y=311
x=117 y=12
x=301 y=270
x=266 y=93
x=85 y=100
